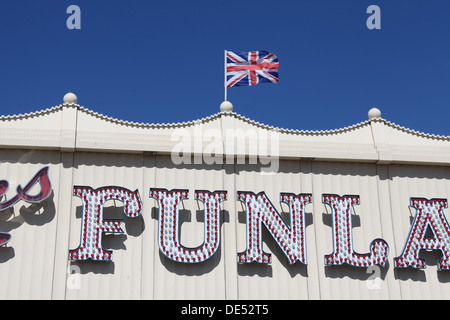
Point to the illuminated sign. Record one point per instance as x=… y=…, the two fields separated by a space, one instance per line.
x=260 y=211
x=429 y=230
x=429 y=214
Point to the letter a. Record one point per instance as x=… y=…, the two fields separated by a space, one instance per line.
x=74 y=21
x=429 y=214
x=374 y=21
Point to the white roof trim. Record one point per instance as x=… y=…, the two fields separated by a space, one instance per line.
x=70 y=127
x=218 y=115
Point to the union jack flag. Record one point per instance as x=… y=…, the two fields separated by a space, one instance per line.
x=250 y=68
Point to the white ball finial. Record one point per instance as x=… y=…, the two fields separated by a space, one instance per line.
x=226 y=106
x=374 y=113
x=70 y=98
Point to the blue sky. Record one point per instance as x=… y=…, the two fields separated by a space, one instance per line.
x=162 y=61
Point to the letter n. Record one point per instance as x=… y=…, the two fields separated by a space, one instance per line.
x=93 y=225
x=169 y=227
x=429 y=214
x=260 y=211
x=341 y=210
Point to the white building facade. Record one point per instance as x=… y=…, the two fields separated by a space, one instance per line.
x=220 y=208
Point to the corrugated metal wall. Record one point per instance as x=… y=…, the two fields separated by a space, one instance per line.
x=35 y=263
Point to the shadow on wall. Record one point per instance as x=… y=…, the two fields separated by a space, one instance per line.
x=37 y=214
x=431 y=258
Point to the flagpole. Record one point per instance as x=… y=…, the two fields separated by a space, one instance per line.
x=225 y=80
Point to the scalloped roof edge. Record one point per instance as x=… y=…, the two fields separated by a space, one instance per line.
x=218 y=115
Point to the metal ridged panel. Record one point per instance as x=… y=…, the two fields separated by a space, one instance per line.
x=427 y=182
x=121 y=278
x=26 y=268
x=35 y=264
x=346 y=282
x=279 y=280
x=184 y=281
